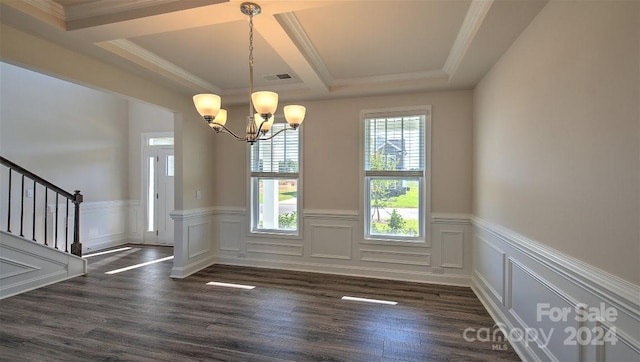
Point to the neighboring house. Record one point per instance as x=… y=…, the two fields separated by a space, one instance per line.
x=392 y=150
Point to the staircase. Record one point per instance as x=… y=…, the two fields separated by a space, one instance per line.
x=36 y=220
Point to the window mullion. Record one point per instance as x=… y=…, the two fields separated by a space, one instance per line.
x=398 y=173
x=278 y=175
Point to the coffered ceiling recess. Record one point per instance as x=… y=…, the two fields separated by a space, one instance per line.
x=303 y=49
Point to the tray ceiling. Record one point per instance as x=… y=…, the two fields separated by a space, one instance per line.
x=327 y=48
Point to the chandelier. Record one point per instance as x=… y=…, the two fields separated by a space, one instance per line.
x=265 y=103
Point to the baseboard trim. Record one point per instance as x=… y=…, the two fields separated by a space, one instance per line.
x=523 y=350
x=183 y=272
x=349 y=270
x=37 y=283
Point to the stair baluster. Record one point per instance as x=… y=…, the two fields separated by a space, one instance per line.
x=76 y=198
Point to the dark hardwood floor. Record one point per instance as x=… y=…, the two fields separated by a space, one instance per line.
x=143 y=315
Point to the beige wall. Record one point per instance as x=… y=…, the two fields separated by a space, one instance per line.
x=73 y=136
x=556 y=133
x=331 y=164
x=143 y=118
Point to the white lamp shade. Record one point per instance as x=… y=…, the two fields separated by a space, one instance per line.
x=265 y=102
x=207 y=104
x=267 y=125
x=294 y=114
x=221 y=118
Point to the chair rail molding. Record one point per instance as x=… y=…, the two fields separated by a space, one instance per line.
x=618 y=291
x=528 y=273
x=448 y=218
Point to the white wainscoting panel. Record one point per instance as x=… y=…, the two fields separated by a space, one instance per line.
x=198 y=239
x=25 y=265
x=103 y=224
x=625 y=347
x=452 y=249
x=490 y=267
x=136 y=221
x=331 y=241
x=193 y=247
x=229 y=232
x=528 y=293
x=539 y=280
x=274 y=248
x=395 y=257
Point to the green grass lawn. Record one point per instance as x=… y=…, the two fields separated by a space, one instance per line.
x=285 y=195
x=410 y=225
x=408 y=200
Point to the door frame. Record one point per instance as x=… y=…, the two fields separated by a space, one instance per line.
x=146 y=151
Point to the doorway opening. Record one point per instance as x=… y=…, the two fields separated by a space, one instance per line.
x=158 y=187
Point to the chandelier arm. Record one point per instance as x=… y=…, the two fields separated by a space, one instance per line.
x=228 y=131
x=275 y=134
x=260 y=127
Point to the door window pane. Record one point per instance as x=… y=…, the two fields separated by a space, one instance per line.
x=161 y=141
x=170 y=171
x=151 y=196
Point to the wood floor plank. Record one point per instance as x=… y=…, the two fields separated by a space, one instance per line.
x=143 y=315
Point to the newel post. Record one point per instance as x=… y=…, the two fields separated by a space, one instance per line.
x=76 y=247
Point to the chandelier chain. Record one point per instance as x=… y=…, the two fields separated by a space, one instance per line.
x=250 y=67
x=251 y=40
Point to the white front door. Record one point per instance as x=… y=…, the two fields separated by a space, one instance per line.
x=165 y=176
x=159 y=195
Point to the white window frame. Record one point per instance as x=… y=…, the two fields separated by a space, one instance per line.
x=253 y=197
x=424 y=239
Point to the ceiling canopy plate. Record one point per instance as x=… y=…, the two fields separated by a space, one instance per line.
x=250 y=9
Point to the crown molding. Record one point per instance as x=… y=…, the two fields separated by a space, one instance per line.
x=468 y=30
x=392 y=78
x=49 y=7
x=47 y=11
x=293 y=28
x=106 y=7
x=138 y=55
x=475 y=16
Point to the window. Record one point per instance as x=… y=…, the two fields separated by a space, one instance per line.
x=161 y=141
x=275 y=183
x=170 y=166
x=395 y=174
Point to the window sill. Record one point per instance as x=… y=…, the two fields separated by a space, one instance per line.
x=275 y=235
x=416 y=243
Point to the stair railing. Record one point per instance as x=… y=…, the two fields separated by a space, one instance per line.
x=76 y=198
